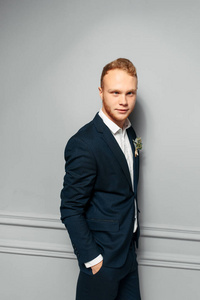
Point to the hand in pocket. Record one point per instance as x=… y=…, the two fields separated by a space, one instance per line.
x=97 y=267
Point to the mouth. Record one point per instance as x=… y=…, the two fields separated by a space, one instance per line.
x=122 y=111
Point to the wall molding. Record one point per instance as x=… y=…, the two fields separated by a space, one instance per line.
x=164 y=260
x=36 y=249
x=53 y=222
x=153 y=259
x=30 y=220
x=65 y=252
x=169 y=232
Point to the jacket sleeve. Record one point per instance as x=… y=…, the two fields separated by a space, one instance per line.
x=76 y=194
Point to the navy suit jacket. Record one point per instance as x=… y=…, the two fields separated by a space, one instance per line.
x=97 y=199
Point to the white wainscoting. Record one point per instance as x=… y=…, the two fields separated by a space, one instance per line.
x=160 y=246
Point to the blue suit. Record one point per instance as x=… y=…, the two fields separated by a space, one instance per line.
x=97 y=199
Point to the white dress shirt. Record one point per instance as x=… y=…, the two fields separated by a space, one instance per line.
x=122 y=139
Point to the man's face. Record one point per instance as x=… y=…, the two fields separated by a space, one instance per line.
x=118 y=95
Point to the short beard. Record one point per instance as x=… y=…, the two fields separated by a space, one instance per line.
x=111 y=115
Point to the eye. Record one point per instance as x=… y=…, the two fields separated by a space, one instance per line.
x=115 y=93
x=131 y=93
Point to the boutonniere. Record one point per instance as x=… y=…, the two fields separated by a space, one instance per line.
x=138 y=145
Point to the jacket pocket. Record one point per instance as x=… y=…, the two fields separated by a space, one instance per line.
x=103 y=225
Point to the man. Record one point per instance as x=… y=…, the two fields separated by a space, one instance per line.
x=99 y=197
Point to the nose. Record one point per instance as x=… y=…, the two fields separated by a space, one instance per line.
x=123 y=100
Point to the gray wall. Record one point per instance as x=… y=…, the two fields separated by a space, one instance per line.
x=52 y=54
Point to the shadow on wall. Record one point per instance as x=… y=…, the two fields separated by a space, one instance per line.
x=138 y=118
x=139 y=122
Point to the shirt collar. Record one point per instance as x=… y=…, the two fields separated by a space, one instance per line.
x=114 y=128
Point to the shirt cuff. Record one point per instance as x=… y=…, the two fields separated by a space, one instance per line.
x=93 y=262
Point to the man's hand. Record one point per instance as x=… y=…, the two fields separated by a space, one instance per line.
x=97 y=267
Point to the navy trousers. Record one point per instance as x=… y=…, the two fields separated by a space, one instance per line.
x=111 y=283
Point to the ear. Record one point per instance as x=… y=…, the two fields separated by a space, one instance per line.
x=100 y=92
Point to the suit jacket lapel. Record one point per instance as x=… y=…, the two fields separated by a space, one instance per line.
x=132 y=136
x=113 y=145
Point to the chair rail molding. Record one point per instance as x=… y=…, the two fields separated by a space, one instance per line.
x=62 y=249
